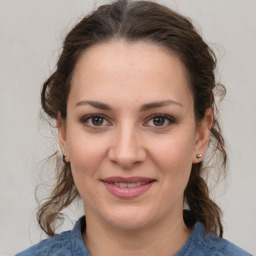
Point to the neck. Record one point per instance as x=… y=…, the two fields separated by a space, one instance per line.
x=163 y=239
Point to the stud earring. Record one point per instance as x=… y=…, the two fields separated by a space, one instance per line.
x=198 y=156
x=63 y=158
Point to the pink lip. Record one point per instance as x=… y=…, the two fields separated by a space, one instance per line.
x=127 y=193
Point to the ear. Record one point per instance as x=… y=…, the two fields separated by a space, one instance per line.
x=202 y=136
x=61 y=125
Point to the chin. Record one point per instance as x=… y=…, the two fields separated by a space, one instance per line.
x=129 y=220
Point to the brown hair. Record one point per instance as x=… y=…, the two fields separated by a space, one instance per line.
x=135 y=21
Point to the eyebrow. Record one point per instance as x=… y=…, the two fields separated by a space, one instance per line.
x=143 y=108
x=95 y=104
x=159 y=104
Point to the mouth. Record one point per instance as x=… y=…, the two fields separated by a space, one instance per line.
x=129 y=185
x=128 y=188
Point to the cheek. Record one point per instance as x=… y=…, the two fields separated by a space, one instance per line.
x=86 y=156
x=174 y=160
x=86 y=153
x=176 y=173
x=176 y=151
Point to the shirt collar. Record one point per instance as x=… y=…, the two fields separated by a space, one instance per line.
x=77 y=244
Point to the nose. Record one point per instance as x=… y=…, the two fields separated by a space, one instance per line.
x=127 y=148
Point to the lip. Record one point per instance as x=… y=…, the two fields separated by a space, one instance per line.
x=128 y=192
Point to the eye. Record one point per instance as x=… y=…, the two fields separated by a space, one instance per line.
x=160 y=120
x=95 y=120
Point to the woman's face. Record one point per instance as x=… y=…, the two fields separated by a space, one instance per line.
x=130 y=134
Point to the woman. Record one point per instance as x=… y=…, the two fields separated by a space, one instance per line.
x=133 y=100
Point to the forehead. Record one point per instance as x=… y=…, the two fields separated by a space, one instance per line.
x=129 y=70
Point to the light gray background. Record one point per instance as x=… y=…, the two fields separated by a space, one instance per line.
x=31 y=32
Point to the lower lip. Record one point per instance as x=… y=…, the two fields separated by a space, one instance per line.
x=128 y=193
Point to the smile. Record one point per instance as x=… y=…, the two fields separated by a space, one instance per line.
x=129 y=185
x=128 y=188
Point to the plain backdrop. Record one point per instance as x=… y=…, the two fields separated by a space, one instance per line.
x=31 y=33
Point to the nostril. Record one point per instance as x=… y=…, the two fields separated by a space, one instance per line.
x=126 y=161
x=126 y=150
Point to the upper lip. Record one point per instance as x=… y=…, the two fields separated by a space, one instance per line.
x=118 y=179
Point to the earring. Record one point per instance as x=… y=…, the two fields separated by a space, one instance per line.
x=63 y=158
x=198 y=156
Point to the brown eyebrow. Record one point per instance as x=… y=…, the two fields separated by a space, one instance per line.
x=94 y=104
x=143 y=108
x=158 y=104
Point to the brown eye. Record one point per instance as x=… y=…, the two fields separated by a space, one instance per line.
x=97 y=121
x=159 y=121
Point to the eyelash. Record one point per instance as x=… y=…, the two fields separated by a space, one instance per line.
x=168 y=118
x=85 y=120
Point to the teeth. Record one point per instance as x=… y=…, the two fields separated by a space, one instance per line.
x=123 y=185
x=132 y=185
x=129 y=185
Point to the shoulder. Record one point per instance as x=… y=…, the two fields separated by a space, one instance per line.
x=232 y=249
x=65 y=244
x=216 y=246
x=202 y=243
x=58 y=245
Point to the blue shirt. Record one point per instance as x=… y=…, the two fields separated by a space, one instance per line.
x=70 y=243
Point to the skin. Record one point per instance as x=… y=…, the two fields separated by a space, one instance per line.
x=129 y=142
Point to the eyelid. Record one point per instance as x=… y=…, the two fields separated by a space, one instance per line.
x=169 y=118
x=87 y=117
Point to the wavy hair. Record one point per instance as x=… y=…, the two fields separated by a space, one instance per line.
x=139 y=21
